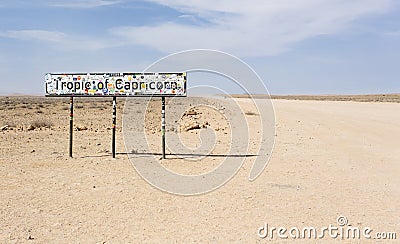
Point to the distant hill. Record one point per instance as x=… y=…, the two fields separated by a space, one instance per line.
x=357 y=98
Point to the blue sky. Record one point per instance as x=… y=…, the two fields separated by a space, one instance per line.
x=297 y=47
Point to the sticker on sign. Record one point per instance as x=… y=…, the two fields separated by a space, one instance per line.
x=116 y=84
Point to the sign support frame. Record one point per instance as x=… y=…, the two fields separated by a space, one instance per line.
x=163 y=126
x=71 y=124
x=114 y=124
x=169 y=84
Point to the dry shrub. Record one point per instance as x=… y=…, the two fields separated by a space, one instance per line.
x=39 y=123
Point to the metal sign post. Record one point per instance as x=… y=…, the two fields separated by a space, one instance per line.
x=114 y=122
x=71 y=123
x=163 y=125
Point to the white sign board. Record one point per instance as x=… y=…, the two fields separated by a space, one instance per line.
x=116 y=84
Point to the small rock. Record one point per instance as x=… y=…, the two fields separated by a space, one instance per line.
x=4 y=127
x=193 y=126
x=81 y=128
x=191 y=112
x=33 y=151
x=31 y=127
x=205 y=124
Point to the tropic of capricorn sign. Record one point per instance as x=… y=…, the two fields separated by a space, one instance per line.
x=113 y=85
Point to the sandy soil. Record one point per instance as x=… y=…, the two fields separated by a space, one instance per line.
x=330 y=159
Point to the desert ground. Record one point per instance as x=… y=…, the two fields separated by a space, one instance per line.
x=331 y=159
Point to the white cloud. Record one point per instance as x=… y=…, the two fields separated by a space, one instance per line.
x=39 y=35
x=251 y=28
x=83 y=3
x=60 y=40
x=393 y=34
x=189 y=18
